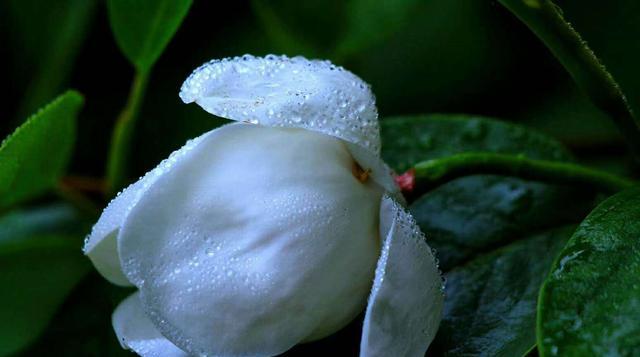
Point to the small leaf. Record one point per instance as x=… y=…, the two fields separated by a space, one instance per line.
x=36 y=154
x=143 y=28
x=479 y=213
x=40 y=262
x=490 y=302
x=589 y=303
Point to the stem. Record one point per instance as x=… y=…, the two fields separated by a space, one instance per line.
x=77 y=199
x=545 y=19
x=123 y=134
x=435 y=172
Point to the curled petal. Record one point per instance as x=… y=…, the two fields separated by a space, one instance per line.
x=263 y=239
x=288 y=92
x=136 y=332
x=101 y=244
x=405 y=305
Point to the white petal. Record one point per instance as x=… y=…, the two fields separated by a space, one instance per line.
x=137 y=333
x=288 y=92
x=261 y=240
x=405 y=306
x=101 y=244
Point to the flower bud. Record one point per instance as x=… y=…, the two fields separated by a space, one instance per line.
x=260 y=235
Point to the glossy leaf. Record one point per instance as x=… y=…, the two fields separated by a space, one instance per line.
x=143 y=28
x=490 y=307
x=411 y=139
x=40 y=262
x=589 y=303
x=36 y=154
x=477 y=214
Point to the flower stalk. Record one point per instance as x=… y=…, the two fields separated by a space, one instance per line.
x=432 y=173
x=123 y=134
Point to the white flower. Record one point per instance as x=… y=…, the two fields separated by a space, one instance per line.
x=263 y=234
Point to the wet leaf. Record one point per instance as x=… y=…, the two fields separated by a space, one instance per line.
x=477 y=214
x=34 y=157
x=490 y=305
x=589 y=303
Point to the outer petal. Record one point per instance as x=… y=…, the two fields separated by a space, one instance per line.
x=289 y=92
x=101 y=244
x=136 y=332
x=405 y=306
x=261 y=240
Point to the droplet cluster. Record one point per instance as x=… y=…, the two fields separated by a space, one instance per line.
x=288 y=92
x=118 y=209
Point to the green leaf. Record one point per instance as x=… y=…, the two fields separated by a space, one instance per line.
x=143 y=28
x=34 y=157
x=547 y=21
x=40 y=262
x=45 y=35
x=491 y=301
x=589 y=303
x=479 y=213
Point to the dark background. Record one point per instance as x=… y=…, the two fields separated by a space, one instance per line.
x=447 y=56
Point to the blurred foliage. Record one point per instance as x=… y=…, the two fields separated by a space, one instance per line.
x=40 y=264
x=428 y=56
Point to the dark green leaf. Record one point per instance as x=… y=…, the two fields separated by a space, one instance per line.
x=46 y=37
x=36 y=154
x=143 y=28
x=491 y=301
x=590 y=301
x=411 y=139
x=613 y=37
x=40 y=262
x=547 y=21
x=476 y=214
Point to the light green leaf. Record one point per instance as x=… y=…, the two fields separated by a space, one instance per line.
x=490 y=307
x=40 y=262
x=34 y=157
x=143 y=28
x=590 y=301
